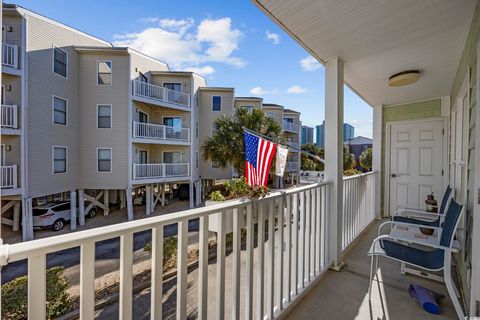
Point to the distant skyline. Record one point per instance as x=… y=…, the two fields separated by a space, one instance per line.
x=232 y=44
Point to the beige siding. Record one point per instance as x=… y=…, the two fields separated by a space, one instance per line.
x=195 y=131
x=13 y=20
x=14 y=96
x=92 y=137
x=206 y=119
x=42 y=85
x=247 y=102
x=140 y=63
x=278 y=112
x=184 y=79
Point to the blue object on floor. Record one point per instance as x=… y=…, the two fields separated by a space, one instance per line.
x=426 y=298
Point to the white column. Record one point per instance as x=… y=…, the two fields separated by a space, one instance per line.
x=73 y=210
x=377 y=157
x=81 y=208
x=163 y=194
x=122 y=199
x=27 y=217
x=334 y=152
x=106 y=202
x=17 y=208
x=128 y=195
x=148 y=199
x=190 y=196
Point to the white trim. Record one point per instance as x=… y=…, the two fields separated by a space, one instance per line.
x=221 y=103
x=377 y=155
x=53 y=159
x=53 y=110
x=53 y=61
x=388 y=127
x=111 y=159
x=111 y=74
x=111 y=111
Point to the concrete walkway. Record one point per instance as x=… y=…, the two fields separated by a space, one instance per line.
x=344 y=295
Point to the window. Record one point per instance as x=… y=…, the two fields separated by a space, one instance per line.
x=104 y=76
x=62 y=207
x=248 y=108
x=60 y=62
x=175 y=122
x=214 y=128
x=215 y=165
x=271 y=115
x=57 y=197
x=104 y=116
x=142 y=117
x=142 y=78
x=172 y=157
x=59 y=159
x=173 y=86
x=59 y=111
x=104 y=160
x=41 y=200
x=216 y=103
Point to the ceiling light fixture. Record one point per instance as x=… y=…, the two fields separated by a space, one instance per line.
x=404 y=78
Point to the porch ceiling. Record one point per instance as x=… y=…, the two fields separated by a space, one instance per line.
x=379 y=38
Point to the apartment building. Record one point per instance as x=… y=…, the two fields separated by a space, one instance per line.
x=83 y=120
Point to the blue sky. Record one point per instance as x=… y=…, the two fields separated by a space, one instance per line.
x=232 y=44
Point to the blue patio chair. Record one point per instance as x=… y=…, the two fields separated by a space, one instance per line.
x=415 y=216
x=431 y=257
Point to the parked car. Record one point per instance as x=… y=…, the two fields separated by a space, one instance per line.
x=56 y=214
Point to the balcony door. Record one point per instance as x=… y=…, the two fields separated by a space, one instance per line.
x=174 y=127
x=415 y=162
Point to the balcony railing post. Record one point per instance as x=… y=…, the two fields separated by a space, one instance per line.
x=14 y=176
x=15 y=116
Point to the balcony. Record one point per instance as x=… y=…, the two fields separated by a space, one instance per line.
x=161 y=134
x=160 y=171
x=290 y=126
x=9 y=180
x=10 y=59
x=292 y=166
x=294 y=144
x=153 y=94
x=9 y=119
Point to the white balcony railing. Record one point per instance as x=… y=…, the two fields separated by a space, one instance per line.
x=160 y=170
x=158 y=93
x=9 y=116
x=160 y=132
x=292 y=166
x=8 y=176
x=294 y=144
x=292 y=254
x=290 y=126
x=358 y=205
x=10 y=55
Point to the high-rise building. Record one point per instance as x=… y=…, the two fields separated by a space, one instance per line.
x=348 y=133
x=307 y=135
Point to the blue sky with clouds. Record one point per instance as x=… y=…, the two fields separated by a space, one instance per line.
x=232 y=43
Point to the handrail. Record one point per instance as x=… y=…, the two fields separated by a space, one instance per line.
x=159 y=93
x=9 y=116
x=160 y=132
x=10 y=55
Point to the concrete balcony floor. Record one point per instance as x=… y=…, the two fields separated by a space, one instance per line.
x=344 y=295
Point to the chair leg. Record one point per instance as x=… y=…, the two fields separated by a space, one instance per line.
x=450 y=286
x=371 y=279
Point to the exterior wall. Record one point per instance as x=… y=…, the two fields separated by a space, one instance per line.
x=257 y=103
x=205 y=120
x=468 y=66
x=278 y=112
x=42 y=85
x=196 y=157
x=185 y=80
x=91 y=137
x=410 y=111
x=13 y=20
x=140 y=63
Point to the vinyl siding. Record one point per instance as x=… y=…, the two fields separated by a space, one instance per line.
x=468 y=67
x=241 y=103
x=13 y=20
x=195 y=115
x=410 y=111
x=42 y=85
x=14 y=96
x=92 y=137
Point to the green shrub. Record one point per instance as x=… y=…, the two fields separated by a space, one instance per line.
x=169 y=248
x=14 y=296
x=217 y=196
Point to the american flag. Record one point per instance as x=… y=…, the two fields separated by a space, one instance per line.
x=258 y=158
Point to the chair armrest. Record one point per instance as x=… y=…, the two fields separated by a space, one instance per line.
x=391 y=223
x=410 y=210
x=388 y=237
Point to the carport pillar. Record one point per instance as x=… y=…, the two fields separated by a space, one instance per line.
x=17 y=208
x=148 y=199
x=105 y=202
x=128 y=195
x=122 y=200
x=27 y=217
x=163 y=194
x=81 y=208
x=377 y=157
x=190 y=195
x=334 y=153
x=73 y=210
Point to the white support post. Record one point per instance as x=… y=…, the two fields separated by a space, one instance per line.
x=148 y=200
x=17 y=208
x=163 y=194
x=81 y=208
x=334 y=153
x=190 y=195
x=106 y=202
x=128 y=195
x=377 y=157
x=27 y=217
x=73 y=209
x=122 y=199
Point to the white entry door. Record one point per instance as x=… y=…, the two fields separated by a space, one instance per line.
x=416 y=163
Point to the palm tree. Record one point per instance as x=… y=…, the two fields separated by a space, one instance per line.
x=226 y=147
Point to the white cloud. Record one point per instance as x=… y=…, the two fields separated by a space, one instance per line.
x=273 y=36
x=203 y=71
x=296 y=90
x=309 y=64
x=259 y=91
x=182 y=44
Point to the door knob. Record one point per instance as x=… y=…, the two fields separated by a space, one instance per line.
x=393 y=175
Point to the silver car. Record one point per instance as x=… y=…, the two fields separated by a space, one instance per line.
x=56 y=214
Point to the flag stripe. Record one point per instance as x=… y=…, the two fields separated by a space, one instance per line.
x=258 y=159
